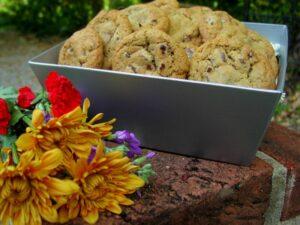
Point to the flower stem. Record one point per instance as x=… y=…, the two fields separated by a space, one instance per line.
x=27 y=120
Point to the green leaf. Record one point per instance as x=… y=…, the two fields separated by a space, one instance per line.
x=145 y=172
x=15 y=153
x=139 y=160
x=8 y=93
x=16 y=115
x=9 y=141
x=38 y=98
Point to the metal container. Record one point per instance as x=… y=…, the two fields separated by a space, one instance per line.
x=207 y=120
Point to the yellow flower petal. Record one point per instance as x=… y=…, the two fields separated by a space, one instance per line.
x=63 y=215
x=114 y=207
x=47 y=213
x=37 y=118
x=20 y=217
x=26 y=142
x=86 y=105
x=34 y=216
x=74 y=211
x=58 y=187
x=49 y=161
x=25 y=160
x=91 y=217
x=134 y=182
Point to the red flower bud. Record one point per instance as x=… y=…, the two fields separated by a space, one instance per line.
x=4 y=117
x=63 y=96
x=25 y=97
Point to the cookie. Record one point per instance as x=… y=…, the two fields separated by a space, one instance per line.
x=151 y=51
x=198 y=10
x=112 y=27
x=256 y=41
x=262 y=45
x=84 y=48
x=146 y=16
x=184 y=31
x=213 y=23
x=167 y=6
x=234 y=62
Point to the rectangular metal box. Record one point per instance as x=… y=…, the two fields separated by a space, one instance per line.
x=212 y=121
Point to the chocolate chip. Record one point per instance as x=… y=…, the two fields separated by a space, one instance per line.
x=140 y=25
x=163 y=49
x=209 y=69
x=162 y=66
x=127 y=55
x=149 y=67
x=133 y=69
x=223 y=57
x=154 y=21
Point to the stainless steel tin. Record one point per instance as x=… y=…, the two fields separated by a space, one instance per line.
x=212 y=121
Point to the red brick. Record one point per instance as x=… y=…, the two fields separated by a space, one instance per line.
x=193 y=191
x=284 y=145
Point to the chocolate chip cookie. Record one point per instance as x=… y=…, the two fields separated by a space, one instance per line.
x=256 y=41
x=112 y=27
x=146 y=16
x=84 y=48
x=234 y=62
x=167 y=6
x=151 y=51
x=184 y=30
x=212 y=23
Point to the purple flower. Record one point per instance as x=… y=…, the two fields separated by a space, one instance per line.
x=129 y=139
x=92 y=154
x=47 y=116
x=150 y=155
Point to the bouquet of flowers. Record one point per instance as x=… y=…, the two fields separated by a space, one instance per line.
x=55 y=163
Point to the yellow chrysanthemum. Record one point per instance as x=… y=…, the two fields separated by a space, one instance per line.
x=71 y=133
x=104 y=182
x=27 y=191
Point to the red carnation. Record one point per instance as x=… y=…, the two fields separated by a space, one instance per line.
x=62 y=95
x=4 y=117
x=25 y=97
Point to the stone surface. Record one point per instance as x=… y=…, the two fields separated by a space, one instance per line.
x=283 y=145
x=194 y=191
x=15 y=52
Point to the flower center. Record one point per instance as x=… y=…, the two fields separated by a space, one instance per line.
x=94 y=187
x=16 y=190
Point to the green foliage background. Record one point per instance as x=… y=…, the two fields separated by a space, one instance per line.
x=62 y=17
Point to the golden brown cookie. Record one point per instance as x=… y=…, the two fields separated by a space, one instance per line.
x=256 y=41
x=112 y=27
x=262 y=45
x=146 y=16
x=213 y=23
x=198 y=10
x=151 y=51
x=167 y=6
x=84 y=48
x=184 y=30
x=234 y=62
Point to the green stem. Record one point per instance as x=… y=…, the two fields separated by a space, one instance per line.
x=27 y=120
x=15 y=153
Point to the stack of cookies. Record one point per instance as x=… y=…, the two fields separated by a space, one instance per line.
x=160 y=38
